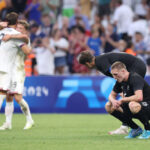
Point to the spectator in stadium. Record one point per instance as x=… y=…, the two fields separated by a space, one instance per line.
x=79 y=17
x=8 y=7
x=122 y=18
x=44 y=57
x=50 y=7
x=86 y=7
x=35 y=32
x=141 y=9
x=134 y=104
x=140 y=46
x=140 y=24
x=122 y=44
x=72 y=44
x=65 y=28
x=33 y=11
x=94 y=42
x=19 y=5
x=47 y=25
x=68 y=7
x=79 y=46
x=130 y=48
x=104 y=8
x=61 y=46
x=97 y=24
x=111 y=39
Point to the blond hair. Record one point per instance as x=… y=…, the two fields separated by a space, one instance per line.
x=118 y=65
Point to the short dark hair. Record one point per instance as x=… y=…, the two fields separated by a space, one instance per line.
x=118 y=65
x=24 y=23
x=12 y=18
x=85 y=56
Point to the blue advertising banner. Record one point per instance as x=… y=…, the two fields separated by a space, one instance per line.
x=67 y=94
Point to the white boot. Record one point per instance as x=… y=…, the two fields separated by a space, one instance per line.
x=122 y=130
x=6 y=126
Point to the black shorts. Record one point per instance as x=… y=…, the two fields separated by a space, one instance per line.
x=144 y=105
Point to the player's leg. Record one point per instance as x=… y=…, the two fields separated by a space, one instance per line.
x=125 y=116
x=141 y=111
x=9 y=109
x=2 y=97
x=123 y=129
x=4 y=85
x=18 y=80
x=25 y=108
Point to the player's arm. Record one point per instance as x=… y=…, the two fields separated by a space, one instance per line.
x=137 y=97
x=112 y=99
x=26 y=49
x=3 y=25
x=112 y=96
x=23 y=37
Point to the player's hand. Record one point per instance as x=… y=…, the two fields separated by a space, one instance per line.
x=6 y=37
x=3 y=24
x=115 y=104
x=120 y=102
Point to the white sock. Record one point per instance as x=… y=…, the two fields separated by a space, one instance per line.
x=2 y=97
x=9 y=109
x=25 y=108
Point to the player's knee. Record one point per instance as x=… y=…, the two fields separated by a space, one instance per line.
x=108 y=107
x=18 y=98
x=9 y=98
x=135 y=107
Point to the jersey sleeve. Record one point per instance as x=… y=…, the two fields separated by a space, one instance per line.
x=137 y=82
x=117 y=88
x=18 y=43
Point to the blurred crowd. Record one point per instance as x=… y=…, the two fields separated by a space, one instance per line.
x=61 y=29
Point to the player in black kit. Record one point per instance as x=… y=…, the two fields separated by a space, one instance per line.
x=103 y=64
x=134 y=104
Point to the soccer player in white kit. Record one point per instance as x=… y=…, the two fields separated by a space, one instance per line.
x=7 y=82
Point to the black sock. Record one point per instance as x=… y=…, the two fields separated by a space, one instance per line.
x=124 y=124
x=143 y=117
x=124 y=119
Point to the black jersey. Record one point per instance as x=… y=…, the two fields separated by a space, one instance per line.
x=103 y=63
x=135 y=82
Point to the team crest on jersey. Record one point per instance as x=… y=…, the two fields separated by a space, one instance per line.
x=144 y=104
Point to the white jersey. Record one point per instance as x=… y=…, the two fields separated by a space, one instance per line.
x=20 y=58
x=8 y=50
x=18 y=73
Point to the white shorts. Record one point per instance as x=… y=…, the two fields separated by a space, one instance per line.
x=4 y=81
x=17 y=82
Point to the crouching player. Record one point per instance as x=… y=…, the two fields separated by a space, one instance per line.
x=134 y=104
x=17 y=81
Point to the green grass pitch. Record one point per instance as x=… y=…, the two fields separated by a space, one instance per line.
x=67 y=132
